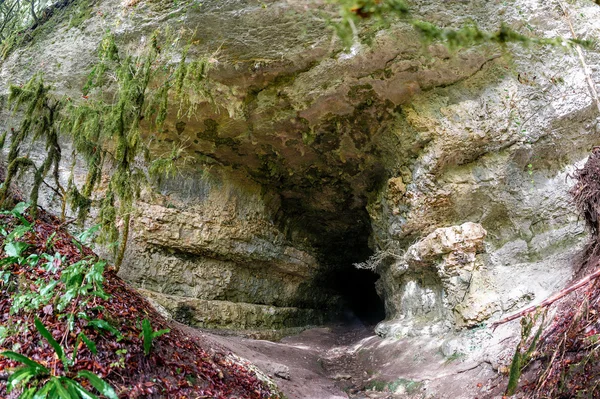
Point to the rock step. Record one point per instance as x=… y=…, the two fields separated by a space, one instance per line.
x=225 y=315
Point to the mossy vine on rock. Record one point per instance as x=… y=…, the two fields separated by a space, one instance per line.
x=39 y=122
x=107 y=134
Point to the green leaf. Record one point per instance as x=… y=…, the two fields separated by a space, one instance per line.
x=49 y=240
x=536 y=338
x=60 y=389
x=57 y=348
x=25 y=360
x=158 y=333
x=100 y=324
x=102 y=386
x=89 y=343
x=83 y=393
x=43 y=392
x=87 y=234
x=515 y=373
x=78 y=245
x=72 y=391
x=22 y=375
x=28 y=393
x=46 y=289
x=15 y=248
x=18 y=232
x=9 y=261
x=32 y=260
x=23 y=220
x=20 y=208
x=147 y=335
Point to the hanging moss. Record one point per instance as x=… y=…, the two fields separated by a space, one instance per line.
x=108 y=132
x=39 y=119
x=3 y=139
x=11 y=171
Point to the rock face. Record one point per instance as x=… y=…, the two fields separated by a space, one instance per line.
x=432 y=278
x=449 y=166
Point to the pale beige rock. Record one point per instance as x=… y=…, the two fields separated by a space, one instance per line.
x=331 y=151
x=234 y=316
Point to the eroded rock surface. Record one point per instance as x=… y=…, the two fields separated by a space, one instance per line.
x=310 y=159
x=433 y=280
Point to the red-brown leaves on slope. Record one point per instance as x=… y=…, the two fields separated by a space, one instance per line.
x=177 y=367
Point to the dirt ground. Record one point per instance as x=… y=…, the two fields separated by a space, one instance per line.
x=348 y=361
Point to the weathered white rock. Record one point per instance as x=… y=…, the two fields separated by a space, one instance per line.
x=439 y=147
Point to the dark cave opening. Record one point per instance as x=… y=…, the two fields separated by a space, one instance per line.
x=356 y=287
x=360 y=299
x=342 y=240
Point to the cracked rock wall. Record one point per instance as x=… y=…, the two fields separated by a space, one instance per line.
x=310 y=154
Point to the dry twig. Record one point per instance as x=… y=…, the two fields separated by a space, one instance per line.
x=549 y=301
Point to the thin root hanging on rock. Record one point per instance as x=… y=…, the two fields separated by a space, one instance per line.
x=569 y=348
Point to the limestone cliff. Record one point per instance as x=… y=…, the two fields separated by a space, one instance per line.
x=308 y=159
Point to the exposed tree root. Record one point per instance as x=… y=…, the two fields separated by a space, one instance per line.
x=568 y=353
x=549 y=301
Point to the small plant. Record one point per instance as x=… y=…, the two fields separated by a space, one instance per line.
x=410 y=386
x=149 y=335
x=120 y=363
x=375 y=385
x=455 y=356
x=524 y=353
x=82 y=279
x=530 y=173
x=48 y=384
x=12 y=248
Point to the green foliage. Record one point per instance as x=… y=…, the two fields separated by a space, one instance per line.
x=53 y=343
x=102 y=386
x=39 y=122
x=49 y=385
x=471 y=35
x=100 y=324
x=166 y=165
x=111 y=131
x=352 y=12
x=12 y=248
x=31 y=370
x=81 y=13
x=410 y=386
x=87 y=236
x=80 y=280
x=8 y=45
x=108 y=132
x=524 y=353
x=148 y=335
x=15 y=17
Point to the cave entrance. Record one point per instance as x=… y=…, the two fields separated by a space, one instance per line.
x=357 y=288
x=340 y=240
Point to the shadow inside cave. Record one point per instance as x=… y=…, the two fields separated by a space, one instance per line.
x=359 y=296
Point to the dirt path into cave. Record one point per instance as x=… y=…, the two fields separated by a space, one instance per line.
x=315 y=364
x=341 y=362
